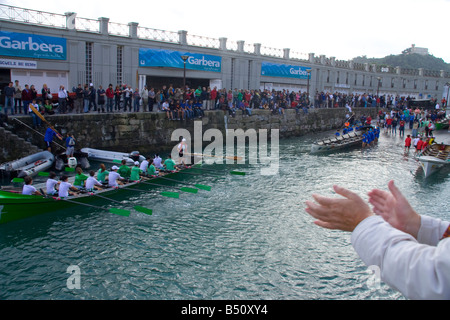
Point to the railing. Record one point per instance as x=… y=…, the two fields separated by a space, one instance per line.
x=157 y=35
x=71 y=21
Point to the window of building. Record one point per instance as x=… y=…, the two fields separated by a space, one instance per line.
x=89 y=53
x=119 y=65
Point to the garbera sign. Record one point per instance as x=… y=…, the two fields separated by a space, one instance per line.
x=32 y=46
x=283 y=70
x=172 y=59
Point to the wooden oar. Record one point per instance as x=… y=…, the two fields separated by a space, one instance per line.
x=38 y=133
x=45 y=120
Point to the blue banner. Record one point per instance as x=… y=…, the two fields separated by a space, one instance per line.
x=283 y=70
x=172 y=59
x=26 y=45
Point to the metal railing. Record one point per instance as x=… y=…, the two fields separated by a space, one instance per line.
x=71 y=21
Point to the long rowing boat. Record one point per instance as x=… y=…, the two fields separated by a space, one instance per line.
x=434 y=157
x=354 y=138
x=15 y=206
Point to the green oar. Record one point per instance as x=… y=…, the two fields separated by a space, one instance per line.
x=67 y=169
x=199 y=186
x=17 y=180
x=120 y=212
x=234 y=172
x=185 y=189
x=137 y=208
x=165 y=194
x=43 y=174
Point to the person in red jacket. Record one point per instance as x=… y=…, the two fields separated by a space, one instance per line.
x=419 y=145
x=407 y=142
x=109 y=98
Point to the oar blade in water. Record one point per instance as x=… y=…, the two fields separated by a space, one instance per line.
x=190 y=190
x=144 y=210
x=238 y=173
x=174 y=195
x=120 y=212
x=203 y=187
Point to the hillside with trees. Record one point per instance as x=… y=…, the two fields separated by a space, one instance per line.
x=408 y=61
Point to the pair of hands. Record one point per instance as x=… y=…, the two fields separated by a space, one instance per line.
x=345 y=214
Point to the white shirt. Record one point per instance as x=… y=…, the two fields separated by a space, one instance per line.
x=91 y=182
x=28 y=190
x=157 y=162
x=112 y=179
x=419 y=269
x=415 y=141
x=144 y=165
x=51 y=183
x=64 y=189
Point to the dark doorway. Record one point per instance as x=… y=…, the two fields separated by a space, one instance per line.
x=159 y=82
x=5 y=79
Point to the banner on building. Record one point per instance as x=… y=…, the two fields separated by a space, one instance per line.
x=269 y=69
x=172 y=59
x=26 y=45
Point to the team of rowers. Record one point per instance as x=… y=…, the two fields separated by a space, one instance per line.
x=369 y=137
x=150 y=167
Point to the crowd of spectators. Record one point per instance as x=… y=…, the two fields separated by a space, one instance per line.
x=182 y=104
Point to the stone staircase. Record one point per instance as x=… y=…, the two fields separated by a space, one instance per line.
x=13 y=147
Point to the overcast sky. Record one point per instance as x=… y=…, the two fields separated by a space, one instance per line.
x=343 y=29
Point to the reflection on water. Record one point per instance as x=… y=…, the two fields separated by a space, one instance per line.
x=249 y=238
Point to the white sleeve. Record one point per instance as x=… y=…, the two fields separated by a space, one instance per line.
x=418 y=271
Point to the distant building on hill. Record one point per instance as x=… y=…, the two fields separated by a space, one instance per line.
x=414 y=49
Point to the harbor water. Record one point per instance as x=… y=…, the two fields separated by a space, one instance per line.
x=249 y=238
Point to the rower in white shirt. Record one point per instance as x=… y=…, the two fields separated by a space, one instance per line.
x=92 y=183
x=114 y=178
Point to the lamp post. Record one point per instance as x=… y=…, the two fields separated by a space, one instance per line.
x=378 y=92
x=307 y=90
x=448 y=90
x=184 y=57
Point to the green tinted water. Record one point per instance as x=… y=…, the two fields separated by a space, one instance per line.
x=248 y=238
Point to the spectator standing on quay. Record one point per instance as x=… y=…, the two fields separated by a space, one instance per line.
x=26 y=98
x=151 y=99
x=17 y=97
x=92 y=96
x=144 y=97
x=9 y=98
x=136 y=100
x=101 y=95
x=45 y=93
x=128 y=94
x=78 y=99
x=86 y=98
x=117 y=95
x=63 y=98
x=109 y=98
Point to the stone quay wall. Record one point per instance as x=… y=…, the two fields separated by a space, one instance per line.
x=151 y=132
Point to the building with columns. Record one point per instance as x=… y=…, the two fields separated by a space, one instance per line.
x=63 y=49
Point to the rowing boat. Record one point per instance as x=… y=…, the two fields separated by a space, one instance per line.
x=113 y=156
x=434 y=157
x=15 y=206
x=30 y=165
x=351 y=139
